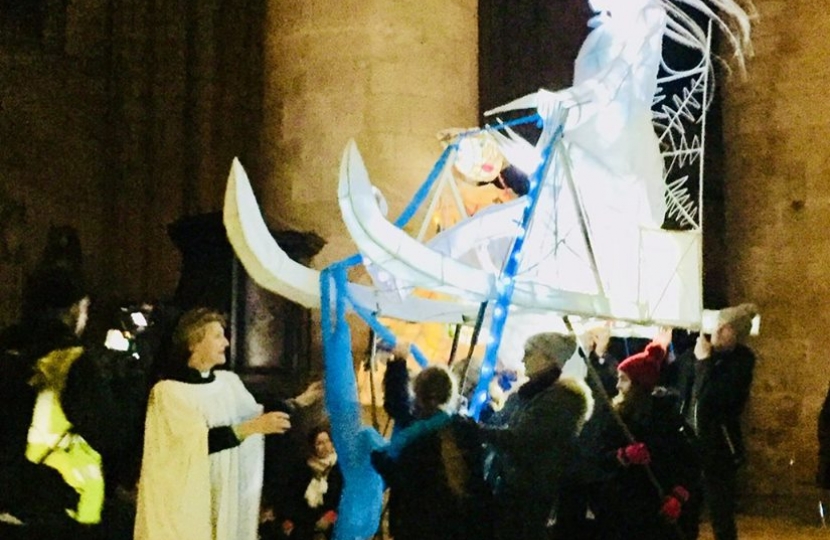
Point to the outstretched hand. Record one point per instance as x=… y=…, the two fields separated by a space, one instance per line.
x=546 y=103
x=312 y=394
x=703 y=348
x=664 y=336
x=326 y=520
x=267 y=424
x=402 y=350
x=672 y=506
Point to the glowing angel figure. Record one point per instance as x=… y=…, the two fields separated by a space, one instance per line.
x=608 y=131
x=607 y=173
x=609 y=138
x=613 y=152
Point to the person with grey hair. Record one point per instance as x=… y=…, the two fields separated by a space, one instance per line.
x=714 y=389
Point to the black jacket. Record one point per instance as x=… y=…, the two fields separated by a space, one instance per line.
x=714 y=393
x=630 y=501
x=295 y=508
x=539 y=440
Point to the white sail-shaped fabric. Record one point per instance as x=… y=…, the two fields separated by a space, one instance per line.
x=272 y=269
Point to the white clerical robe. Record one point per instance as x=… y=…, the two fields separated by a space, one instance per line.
x=185 y=493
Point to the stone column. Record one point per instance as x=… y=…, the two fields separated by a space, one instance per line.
x=388 y=73
x=777 y=206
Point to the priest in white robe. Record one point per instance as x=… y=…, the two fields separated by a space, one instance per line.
x=201 y=473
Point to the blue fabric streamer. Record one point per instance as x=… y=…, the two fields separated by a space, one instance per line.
x=360 y=503
x=425 y=188
x=385 y=334
x=532 y=118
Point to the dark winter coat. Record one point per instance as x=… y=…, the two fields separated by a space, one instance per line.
x=714 y=393
x=629 y=501
x=436 y=485
x=538 y=441
x=532 y=451
x=587 y=466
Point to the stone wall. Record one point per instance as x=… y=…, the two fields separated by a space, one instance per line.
x=120 y=118
x=388 y=73
x=131 y=116
x=777 y=218
x=52 y=129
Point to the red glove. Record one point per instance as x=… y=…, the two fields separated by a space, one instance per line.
x=673 y=503
x=287 y=527
x=330 y=517
x=671 y=509
x=634 y=454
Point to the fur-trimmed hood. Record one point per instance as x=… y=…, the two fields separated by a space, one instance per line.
x=576 y=391
x=540 y=438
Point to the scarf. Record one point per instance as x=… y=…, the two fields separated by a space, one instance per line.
x=319 y=485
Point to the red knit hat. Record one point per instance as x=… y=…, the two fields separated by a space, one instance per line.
x=643 y=368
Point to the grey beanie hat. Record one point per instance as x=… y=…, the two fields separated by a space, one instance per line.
x=739 y=318
x=547 y=348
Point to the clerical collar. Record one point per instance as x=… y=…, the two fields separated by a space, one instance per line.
x=194 y=376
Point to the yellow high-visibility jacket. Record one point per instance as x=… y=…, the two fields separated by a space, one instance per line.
x=50 y=441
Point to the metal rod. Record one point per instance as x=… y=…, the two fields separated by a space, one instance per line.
x=373 y=348
x=477 y=328
x=454 y=347
x=584 y=225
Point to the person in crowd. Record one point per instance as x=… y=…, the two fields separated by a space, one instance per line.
x=575 y=510
x=596 y=343
x=536 y=439
x=59 y=416
x=651 y=490
x=202 y=466
x=715 y=387
x=540 y=350
x=309 y=507
x=823 y=470
x=681 y=342
x=433 y=463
